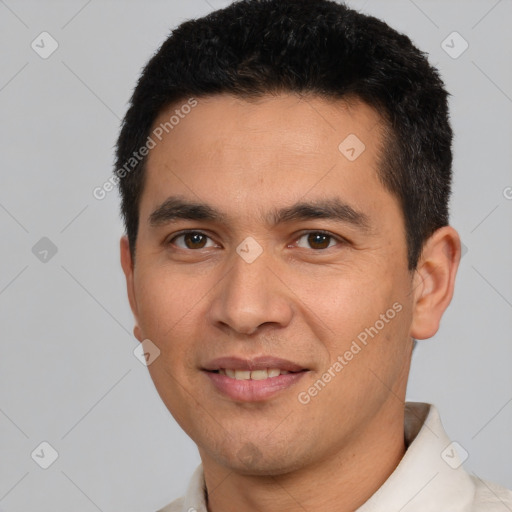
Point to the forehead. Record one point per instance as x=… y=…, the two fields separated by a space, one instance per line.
x=274 y=149
x=301 y=121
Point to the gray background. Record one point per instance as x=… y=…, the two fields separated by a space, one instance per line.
x=67 y=369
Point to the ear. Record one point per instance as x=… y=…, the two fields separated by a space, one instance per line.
x=128 y=269
x=434 y=281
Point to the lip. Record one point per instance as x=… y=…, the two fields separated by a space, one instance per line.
x=255 y=363
x=253 y=390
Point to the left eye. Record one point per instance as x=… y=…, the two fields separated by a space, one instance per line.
x=317 y=240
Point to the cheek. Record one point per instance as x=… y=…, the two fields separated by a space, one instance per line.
x=168 y=316
x=343 y=304
x=166 y=299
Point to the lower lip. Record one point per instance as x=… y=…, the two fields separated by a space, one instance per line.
x=253 y=390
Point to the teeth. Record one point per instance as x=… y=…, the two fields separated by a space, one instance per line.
x=259 y=374
x=254 y=375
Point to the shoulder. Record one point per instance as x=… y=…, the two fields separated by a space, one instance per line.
x=194 y=498
x=174 y=506
x=491 y=497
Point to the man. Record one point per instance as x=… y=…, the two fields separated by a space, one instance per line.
x=285 y=171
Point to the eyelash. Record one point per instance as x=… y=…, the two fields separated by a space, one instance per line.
x=338 y=239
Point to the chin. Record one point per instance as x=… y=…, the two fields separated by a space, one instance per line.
x=253 y=460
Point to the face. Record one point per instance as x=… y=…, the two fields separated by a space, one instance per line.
x=271 y=273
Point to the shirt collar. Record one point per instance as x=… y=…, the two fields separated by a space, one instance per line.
x=429 y=477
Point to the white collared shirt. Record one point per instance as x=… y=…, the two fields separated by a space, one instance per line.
x=429 y=478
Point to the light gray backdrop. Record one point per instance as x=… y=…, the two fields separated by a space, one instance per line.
x=68 y=373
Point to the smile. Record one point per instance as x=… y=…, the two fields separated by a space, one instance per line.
x=264 y=373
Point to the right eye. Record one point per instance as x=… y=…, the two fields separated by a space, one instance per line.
x=191 y=240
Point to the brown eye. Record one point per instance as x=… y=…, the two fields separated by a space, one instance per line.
x=317 y=240
x=191 y=240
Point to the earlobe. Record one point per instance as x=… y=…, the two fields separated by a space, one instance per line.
x=434 y=281
x=137 y=333
x=128 y=269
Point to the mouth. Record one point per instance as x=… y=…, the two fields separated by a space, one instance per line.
x=265 y=373
x=253 y=380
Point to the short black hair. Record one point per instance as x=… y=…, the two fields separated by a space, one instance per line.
x=254 y=48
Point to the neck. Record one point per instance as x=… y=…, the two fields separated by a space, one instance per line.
x=341 y=482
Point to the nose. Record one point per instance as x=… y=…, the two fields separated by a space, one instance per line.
x=250 y=296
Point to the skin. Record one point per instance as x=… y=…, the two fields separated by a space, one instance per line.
x=300 y=301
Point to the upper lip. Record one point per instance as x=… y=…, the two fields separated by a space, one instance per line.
x=254 y=363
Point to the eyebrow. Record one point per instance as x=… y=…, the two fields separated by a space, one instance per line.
x=176 y=207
